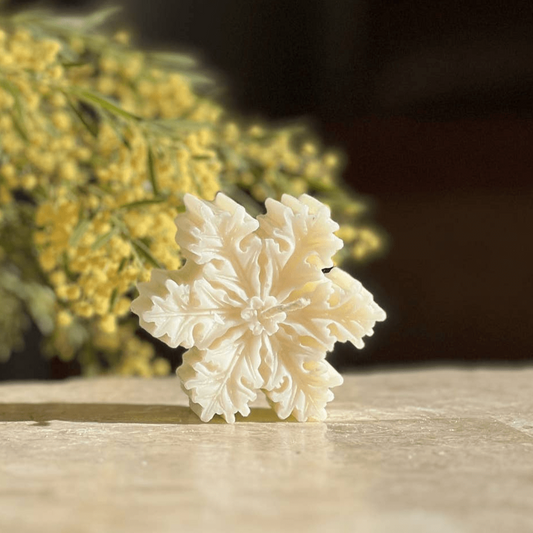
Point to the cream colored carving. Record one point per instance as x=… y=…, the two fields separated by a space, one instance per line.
x=254 y=308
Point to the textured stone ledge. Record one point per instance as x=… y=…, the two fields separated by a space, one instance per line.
x=437 y=450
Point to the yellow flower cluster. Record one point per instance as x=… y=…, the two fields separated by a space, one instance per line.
x=103 y=141
x=132 y=355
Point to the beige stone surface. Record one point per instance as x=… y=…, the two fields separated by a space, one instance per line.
x=431 y=451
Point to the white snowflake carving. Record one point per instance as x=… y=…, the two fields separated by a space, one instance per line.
x=254 y=307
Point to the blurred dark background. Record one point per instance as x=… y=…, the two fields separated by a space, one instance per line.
x=433 y=104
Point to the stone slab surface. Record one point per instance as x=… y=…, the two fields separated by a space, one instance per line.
x=433 y=451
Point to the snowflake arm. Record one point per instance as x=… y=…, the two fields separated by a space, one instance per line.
x=310 y=323
x=221 y=236
x=300 y=381
x=340 y=309
x=157 y=288
x=190 y=315
x=352 y=309
x=223 y=380
x=304 y=234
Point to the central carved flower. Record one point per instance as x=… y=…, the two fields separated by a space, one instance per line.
x=263 y=315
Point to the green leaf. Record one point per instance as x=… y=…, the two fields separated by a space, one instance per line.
x=173 y=60
x=140 y=203
x=74 y=64
x=98 y=18
x=197 y=79
x=121 y=265
x=103 y=103
x=13 y=320
x=79 y=231
x=113 y=299
x=143 y=250
x=41 y=302
x=104 y=239
x=151 y=172
x=92 y=128
x=171 y=125
x=115 y=126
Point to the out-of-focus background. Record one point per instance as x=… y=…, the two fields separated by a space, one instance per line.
x=433 y=104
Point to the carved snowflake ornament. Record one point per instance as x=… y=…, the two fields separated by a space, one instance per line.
x=258 y=306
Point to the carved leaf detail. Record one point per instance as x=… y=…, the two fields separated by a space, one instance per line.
x=190 y=315
x=300 y=385
x=352 y=309
x=304 y=232
x=222 y=381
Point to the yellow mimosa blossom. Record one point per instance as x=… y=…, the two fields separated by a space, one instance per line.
x=99 y=142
